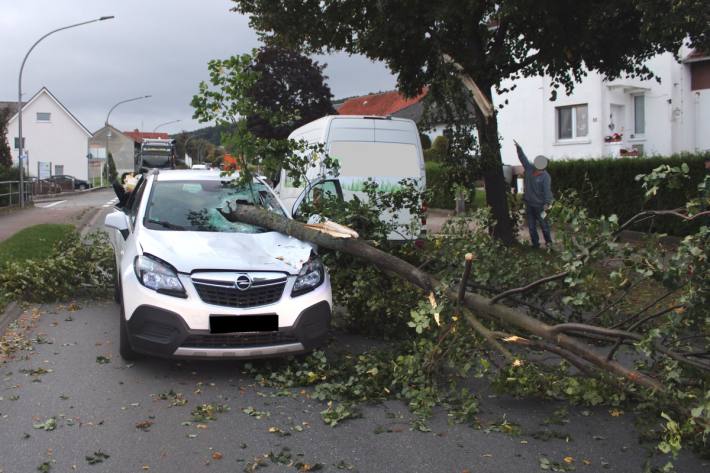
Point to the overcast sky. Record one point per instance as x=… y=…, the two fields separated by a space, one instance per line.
x=156 y=47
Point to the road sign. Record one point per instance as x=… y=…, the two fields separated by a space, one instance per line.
x=43 y=169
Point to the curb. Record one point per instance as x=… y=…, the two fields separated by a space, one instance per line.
x=11 y=313
x=65 y=195
x=87 y=220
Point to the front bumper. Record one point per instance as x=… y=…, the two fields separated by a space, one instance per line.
x=156 y=331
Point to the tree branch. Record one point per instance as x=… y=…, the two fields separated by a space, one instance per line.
x=647 y=213
x=476 y=302
x=532 y=285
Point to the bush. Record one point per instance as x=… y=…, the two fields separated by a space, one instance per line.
x=438 y=150
x=439 y=188
x=75 y=268
x=426 y=141
x=8 y=173
x=112 y=175
x=608 y=186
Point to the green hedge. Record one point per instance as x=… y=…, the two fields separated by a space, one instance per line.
x=441 y=195
x=608 y=186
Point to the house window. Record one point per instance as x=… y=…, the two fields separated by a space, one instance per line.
x=639 y=114
x=572 y=122
x=17 y=143
x=43 y=116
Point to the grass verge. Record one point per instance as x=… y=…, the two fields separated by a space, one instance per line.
x=33 y=243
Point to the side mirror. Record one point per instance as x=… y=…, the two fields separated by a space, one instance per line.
x=118 y=221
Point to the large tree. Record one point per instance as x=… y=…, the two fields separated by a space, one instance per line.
x=492 y=41
x=291 y=86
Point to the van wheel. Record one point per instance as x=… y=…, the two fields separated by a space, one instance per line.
x=124 y=347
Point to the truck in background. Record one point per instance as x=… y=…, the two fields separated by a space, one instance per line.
x=156 y=154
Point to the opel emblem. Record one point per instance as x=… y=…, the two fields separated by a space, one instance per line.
x=243 y=282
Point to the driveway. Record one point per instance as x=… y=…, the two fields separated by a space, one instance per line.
x=110 y=416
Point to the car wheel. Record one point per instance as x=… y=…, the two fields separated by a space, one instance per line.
x=82 y=187
x=124 y=347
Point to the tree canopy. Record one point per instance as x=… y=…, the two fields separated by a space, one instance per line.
x=290 y=86
x=491 y=40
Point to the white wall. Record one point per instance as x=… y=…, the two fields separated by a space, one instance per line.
x=702 y=119
x=60 y=141
x=674 y=115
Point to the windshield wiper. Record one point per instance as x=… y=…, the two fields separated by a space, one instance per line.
x=168 y=225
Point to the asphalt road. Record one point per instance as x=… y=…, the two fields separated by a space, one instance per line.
x=73 y=208
x=97 y=407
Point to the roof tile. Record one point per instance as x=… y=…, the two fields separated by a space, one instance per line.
x=381 y=104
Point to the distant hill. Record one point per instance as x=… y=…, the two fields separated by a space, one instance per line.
x=209 y=133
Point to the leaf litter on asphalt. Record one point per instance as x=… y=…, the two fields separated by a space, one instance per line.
x=97 y=457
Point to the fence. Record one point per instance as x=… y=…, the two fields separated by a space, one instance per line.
x=10 y=193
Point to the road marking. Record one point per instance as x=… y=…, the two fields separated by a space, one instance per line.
x=52 y=204
x=111 y=203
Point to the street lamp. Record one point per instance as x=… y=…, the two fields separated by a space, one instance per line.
x=166 y=123
x=108 y=129
x=19 y=102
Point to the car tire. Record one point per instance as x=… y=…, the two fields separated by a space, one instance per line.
x=82 y=187
x=124 y=346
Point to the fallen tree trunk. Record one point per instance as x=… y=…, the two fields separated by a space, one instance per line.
x=479 y=304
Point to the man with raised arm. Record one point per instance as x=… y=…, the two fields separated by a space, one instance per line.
x=537 y=195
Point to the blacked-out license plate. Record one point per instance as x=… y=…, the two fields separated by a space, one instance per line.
x=244 y=323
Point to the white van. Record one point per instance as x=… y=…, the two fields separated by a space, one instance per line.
x=383 y=149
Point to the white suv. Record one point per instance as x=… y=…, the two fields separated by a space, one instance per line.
x=192 y=284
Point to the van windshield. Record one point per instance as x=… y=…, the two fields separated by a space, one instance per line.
x=193 y=205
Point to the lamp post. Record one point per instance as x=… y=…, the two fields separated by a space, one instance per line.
x=20 y=147
x=108 y=128
x=166 y=123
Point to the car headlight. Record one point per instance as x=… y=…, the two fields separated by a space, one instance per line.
x=310 y=277
x=159 y=276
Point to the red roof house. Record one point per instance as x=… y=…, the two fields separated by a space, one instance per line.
x=385 y=104
x=139 y=136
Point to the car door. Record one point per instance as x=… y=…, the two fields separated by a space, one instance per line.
x=314 y=192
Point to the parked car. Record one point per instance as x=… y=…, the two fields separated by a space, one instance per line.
x=193 y=284
x=43 y=186
x=384 y=149
x=69 y=182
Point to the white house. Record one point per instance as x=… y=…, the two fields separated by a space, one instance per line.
x=602 y=118
x=599 y=118
x=51 y=134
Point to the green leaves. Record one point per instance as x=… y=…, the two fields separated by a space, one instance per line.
x=336 y=413
x=48 y=425
x=74 y=268
x=97 y=457
x=206 y=412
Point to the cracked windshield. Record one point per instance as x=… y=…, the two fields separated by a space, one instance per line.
x=194 y=205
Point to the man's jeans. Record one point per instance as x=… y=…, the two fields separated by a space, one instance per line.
x=534 y=215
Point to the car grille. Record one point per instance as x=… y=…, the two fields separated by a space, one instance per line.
x=225 y=294
x=237 y=341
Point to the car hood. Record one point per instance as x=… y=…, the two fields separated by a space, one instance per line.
x=188 y=251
